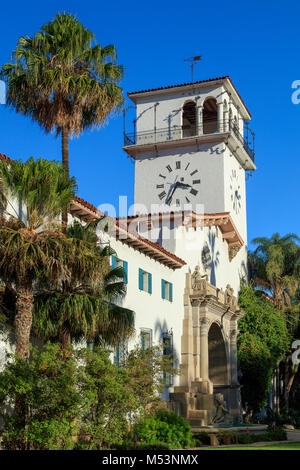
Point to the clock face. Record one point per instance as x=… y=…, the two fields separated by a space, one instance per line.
x=178 y=184
x=235 y=190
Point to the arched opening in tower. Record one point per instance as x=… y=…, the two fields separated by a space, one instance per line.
x=189 y=119
x=217 y=358
x=210 y=116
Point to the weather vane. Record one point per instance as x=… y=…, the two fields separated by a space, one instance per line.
x=193 y=61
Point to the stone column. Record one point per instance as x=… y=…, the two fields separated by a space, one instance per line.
x=235 y=392
x=196 y=337
x=233 y=356
x=204 y=348
x=187 y=359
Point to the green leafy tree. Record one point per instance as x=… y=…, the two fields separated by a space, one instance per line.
x=275 y=266
x=63 y=80
x=111 y=397
x=262 y=343
x=51 y=398
x=148 y=369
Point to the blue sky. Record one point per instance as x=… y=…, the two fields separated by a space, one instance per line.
x=256 y=43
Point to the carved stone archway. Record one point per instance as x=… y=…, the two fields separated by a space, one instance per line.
x=208 y=353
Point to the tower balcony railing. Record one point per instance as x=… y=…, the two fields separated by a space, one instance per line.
x=187 y=132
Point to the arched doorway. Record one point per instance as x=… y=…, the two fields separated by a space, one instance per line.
x=217 y=357
x=189 y=119
x=210 y=116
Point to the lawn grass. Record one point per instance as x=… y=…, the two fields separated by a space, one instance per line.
x=283 y=446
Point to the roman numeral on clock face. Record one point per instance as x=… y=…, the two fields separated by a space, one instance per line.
x=193 y=192
x=169 y=168
x=178 y=165
x=193 y=172
x=196 y=181
x=162 y=195
x=162 y=176
x=158 y=186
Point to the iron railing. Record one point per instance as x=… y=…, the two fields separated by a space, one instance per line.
x=181 y=132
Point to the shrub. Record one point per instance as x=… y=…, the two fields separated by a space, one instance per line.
x=227 y=437
x=167 y=427
x=202 y=439
x=271 y=435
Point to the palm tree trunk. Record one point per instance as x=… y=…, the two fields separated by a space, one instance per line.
x=65 y=338
x=23 y=318
x=65 y=162
x=23 y=321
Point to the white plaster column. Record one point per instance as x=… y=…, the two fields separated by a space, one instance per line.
x=226 y=121
x=220 y=116
x=199 y=120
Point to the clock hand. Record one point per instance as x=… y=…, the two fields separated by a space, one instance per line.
x=171 y=192
x=183 y=185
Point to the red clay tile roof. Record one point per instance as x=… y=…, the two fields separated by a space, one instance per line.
x=88 y=205
x=175 y=86
x=129 y=94
x=154 y=250
x=4 y=157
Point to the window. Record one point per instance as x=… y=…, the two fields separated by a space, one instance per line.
x=120 y=352
x=210 y=116
x=167 y=339
x=189 y=119
x=118 y=263
x=146 y=338
x=166 y=290
x=145 y=281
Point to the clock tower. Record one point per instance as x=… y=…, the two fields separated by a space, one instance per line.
x=192 y=147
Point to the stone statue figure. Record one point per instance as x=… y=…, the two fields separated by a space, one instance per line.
x=221 y=410
x=230 y=299
x=198 y=281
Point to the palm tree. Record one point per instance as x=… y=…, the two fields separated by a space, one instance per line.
x=64 y=82
x=275 y=266
x=79 y=308
x=32 y=247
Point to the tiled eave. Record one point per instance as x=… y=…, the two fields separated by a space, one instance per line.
x=226 y=80
x=189 y=218
x=87 y=212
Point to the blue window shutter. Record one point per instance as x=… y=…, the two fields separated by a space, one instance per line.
x=150 y=283
x=141 y=281
x=117 y=356
x=171 y=292
x=125 y=269
x=113 y=261
x=163 y=289
x=143 y=342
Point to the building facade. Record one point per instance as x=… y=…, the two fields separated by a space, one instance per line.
x=184 y=250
